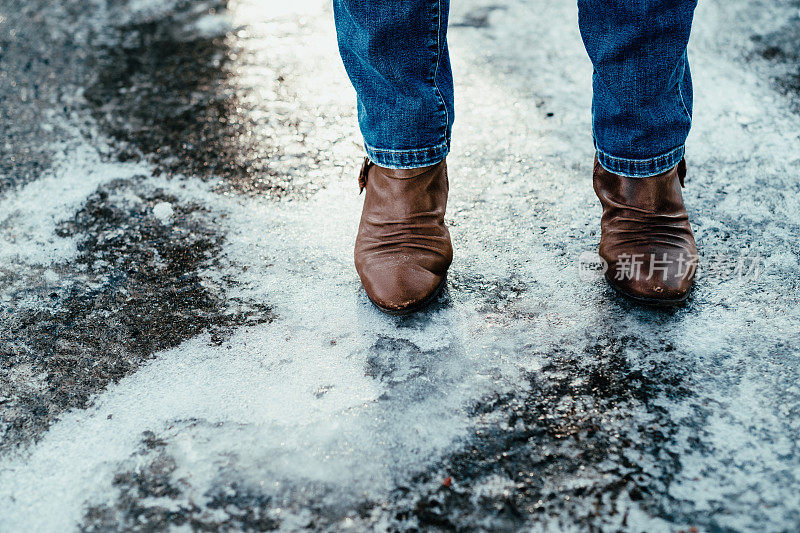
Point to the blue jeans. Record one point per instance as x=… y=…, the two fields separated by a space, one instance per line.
x=395 y=53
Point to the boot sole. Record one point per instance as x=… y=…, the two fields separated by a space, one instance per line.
x=417 y=306
x=652 y=302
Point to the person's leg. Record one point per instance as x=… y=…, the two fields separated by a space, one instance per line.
x=641 y=115
x=642 y=105
x=396 y=56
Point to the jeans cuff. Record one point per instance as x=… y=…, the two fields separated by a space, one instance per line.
x=415 y=158
x=640 y=168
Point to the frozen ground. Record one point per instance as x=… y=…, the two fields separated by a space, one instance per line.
x=184 y=342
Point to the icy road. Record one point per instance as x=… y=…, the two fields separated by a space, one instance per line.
x=184 y=343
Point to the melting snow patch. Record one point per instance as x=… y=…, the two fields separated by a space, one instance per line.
x=29 y=217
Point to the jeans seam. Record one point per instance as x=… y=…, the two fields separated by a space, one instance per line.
x=640 y=167
x=408 y=150
x=436 y=68
x=683 y=104
x=665 y=155
x=680 y=92
x=410 y=158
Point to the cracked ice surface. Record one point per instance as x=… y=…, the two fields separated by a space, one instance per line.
x=209 y=360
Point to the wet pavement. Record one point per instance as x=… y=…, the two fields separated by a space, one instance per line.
x=184 y=342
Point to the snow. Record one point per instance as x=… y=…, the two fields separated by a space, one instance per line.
x=28 y=217
x=163 y=212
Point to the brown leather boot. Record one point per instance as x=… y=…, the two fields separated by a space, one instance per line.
x=403 y=248
x=645 y=235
